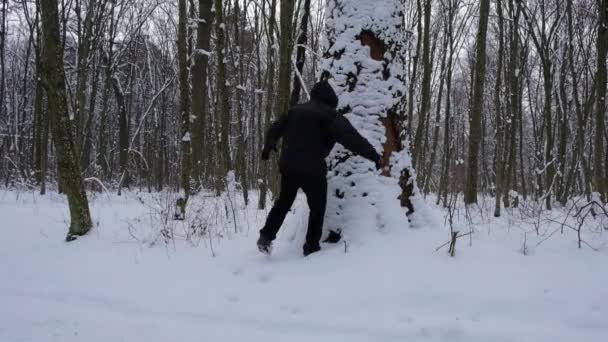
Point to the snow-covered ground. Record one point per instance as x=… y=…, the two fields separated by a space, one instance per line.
x=123 y=282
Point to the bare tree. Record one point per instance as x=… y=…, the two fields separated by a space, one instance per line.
x=199 y=72
x=470 y=194
x=54 y=82
x=184 y=106
x=599 y=173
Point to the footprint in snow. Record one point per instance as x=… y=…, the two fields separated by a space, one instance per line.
x=264 y=277
x=290 y=309
x=234 y=299
x=406 y=319
x=237 y=271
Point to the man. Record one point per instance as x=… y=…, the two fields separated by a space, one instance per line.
x=309 y=132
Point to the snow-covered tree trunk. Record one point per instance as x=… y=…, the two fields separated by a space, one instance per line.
x=363 y=62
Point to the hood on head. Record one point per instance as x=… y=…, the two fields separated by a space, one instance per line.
x=324 y=93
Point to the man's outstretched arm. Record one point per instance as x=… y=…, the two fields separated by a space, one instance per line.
x=274 y=133
x=347 y=135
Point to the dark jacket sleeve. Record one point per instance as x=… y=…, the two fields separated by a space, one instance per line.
x=343 y=132
x=275 y=132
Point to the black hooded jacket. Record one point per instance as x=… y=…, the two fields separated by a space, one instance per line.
x=309 y=132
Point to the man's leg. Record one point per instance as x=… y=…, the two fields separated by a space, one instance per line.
x=316 y=195
x=289 y=190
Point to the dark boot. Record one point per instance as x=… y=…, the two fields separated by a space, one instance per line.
x=334 y=236
x=309 y=249
x=264 y=244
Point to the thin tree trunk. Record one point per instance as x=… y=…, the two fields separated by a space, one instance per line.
x=44 y=148
x=426 y=86
x=223 y=104
x=242 y=170
x=102 y=147
x=85 y=159
x=599 y=176
x=300 y=53
x=429 y=172
x=184 y=107
x=199 y=89
x=447 y=148
x=500 y=169
x=266 y=169
x=38 y=123
x=513 y=106
x=2 y=58
x=413 y=79
x=84 y=49
x=123 y=134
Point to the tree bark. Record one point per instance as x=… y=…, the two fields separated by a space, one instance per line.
x=199 y=89
x=2 y=58
x=123 y=134
x=270 y=56
x=470 y=194
x=300 y=53
x=67 y=160
x=285 y=49
x=599 y=176
x=426 y=86
x=223 y=103
x=414 y=77
x=184 y=106
x=513 y=105
x=500 y=170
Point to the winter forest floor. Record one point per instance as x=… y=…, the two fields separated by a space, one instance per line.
x=137 y=277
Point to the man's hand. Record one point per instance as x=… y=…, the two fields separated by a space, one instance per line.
x=378 y=163
x=379 y=166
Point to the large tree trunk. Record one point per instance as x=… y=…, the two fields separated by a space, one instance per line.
x=53 y=76
x=368 y=101
x=470 y=193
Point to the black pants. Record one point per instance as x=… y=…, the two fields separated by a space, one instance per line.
x=315 y=189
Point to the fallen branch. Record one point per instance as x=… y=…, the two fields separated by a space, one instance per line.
x=447 y=243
